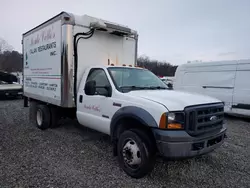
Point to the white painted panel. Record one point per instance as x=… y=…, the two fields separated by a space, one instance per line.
x=242 y=84
x=42 y=62
x=102 y=48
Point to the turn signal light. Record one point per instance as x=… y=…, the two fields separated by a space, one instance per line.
x=174 y=126
x=163 y=121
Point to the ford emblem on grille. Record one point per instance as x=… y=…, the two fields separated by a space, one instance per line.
x=213 y=118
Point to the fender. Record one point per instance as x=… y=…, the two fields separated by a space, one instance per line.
x=141 y=115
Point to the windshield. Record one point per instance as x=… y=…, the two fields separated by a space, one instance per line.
x=127 y=79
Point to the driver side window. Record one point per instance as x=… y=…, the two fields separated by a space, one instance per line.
x=100 y=77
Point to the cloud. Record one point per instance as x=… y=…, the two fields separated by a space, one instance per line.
x=172 y=30
x=179 y=55
x=226 y=54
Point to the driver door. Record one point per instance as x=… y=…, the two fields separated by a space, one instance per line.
x=93 y=111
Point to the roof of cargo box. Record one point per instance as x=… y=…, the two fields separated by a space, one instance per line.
x=86 y=21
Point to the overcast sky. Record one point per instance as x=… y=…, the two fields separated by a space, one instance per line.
x=172 y=30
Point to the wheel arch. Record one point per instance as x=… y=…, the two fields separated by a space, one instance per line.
x=131 y=114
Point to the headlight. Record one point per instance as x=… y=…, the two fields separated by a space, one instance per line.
x=171 y=116
x=172 y=120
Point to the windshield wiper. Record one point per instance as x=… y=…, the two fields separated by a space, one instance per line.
x=142 y=87
x=157 y=87
x=133 y=87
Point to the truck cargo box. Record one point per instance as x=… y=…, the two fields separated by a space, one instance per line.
x=55 y=55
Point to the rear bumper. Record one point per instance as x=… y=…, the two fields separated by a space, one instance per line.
x=179 y=144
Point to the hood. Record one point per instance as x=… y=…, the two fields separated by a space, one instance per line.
x=174 y=100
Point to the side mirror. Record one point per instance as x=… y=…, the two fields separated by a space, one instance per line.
x=170 y=85
x=90 y=87
x=109 y=91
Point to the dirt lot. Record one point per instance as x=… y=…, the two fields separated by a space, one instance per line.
x=70 y=156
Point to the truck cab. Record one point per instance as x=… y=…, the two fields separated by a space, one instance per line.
x=119 y=100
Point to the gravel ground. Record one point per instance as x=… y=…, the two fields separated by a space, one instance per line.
x=70 y=156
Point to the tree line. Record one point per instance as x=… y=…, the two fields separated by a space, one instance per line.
x=159 y=68
x=11 y=61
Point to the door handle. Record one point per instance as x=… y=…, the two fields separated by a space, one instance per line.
x=80 y=99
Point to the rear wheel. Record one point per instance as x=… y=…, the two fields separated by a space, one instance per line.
x=135 y=153
x=43 y=117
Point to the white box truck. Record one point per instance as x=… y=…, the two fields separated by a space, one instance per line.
x=225 y=80
x=85 y=68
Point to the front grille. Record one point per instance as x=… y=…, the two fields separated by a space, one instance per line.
x=204 y=118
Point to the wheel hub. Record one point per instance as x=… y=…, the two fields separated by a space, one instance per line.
x=39 y=117
x=131 y=153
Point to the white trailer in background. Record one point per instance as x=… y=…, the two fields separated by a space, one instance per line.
x=228 y=81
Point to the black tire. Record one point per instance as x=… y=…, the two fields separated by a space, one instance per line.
x=147 y=153
x=43 y=117
x=55 y=116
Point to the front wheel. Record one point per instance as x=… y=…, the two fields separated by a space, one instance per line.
x=135 y=153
